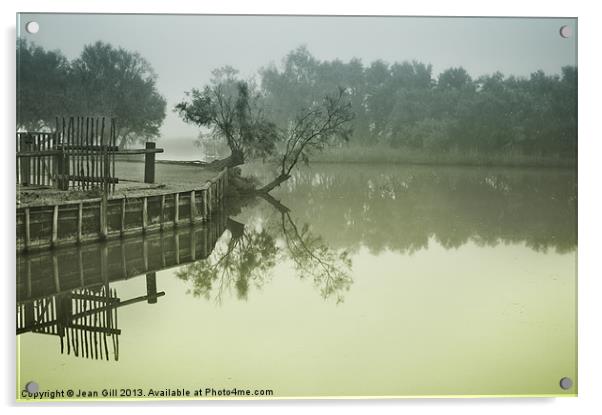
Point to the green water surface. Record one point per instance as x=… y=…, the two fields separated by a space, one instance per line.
x=365 y=280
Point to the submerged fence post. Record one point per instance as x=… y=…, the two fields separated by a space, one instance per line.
x=103 y=217
x=151 y=287
x=149 y=164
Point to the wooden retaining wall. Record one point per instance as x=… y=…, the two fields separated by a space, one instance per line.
x=91 y=220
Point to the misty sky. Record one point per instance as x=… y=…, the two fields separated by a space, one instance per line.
x=184 y=49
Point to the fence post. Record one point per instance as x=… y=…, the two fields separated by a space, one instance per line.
x=149 y=164
x=62 y=170
x=26 y=145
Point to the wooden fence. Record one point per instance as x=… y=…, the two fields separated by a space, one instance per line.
x=79 y=154
x=85 y=320
x=36 y=158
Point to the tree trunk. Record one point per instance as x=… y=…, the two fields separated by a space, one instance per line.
x=276 y=203
x=237 y=229
x=274 y=183
x=236 y=158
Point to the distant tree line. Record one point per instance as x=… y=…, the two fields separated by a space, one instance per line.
x=102 y=81
x=403 y=105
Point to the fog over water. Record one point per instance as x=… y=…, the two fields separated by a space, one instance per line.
x=183 y=49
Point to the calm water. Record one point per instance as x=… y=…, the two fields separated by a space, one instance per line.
x=364 y=280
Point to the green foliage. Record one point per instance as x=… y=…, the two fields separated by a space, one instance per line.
x=400 y=104
x=237 y=112
x=102 y=81
x=42 y=85
x=122 y=84
x=230 y=108
x=324 y=123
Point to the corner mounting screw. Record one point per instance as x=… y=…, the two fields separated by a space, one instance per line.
x=566 y=383
x=32 y=387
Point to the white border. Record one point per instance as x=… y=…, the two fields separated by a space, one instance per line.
x=590 y=287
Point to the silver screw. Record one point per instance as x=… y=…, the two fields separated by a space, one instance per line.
x=566 y=383
x=566 y=31
x=32 y=387
x=32 y=27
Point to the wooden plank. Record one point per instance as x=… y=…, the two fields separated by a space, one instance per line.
x=27 y=230
x=38 y=161
x=43 y=172
x=144 y=213
x=92 y=141
x=70 y=159
x=96 y=329
x=80 y=208
x=162 y=214
x=122 y=223
x=151 y=287
x=192 y=206
x=113 y=143
x=204 y=199
x=177 y=209
x=76 y=155
x=162 y=244
x=55 y=273
x=149 y=164
x=140 y=151
x=89 y=179
x=104 y=264
x=28 y=272
x=192 y=244
x=102 y=142
x=209 y=201
x=86 y=141
x=55 y=224
x=80 y=266
x=124 y=268
x=18 y=163
x=103 y=217
x=145 y=255
x=26 y=146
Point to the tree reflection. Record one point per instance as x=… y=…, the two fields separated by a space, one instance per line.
x=248 y=257
x=313 y=258
x=245 y=260
x=405 y=208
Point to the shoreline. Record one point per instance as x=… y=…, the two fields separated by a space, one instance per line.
x=383 y=155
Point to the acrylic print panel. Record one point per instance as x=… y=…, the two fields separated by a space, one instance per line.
x=295 y=206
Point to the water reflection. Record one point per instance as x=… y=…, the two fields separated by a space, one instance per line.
x=245 y=259
x=252 y=251
x=396 y=208
x=324 y=217
x=67 y=292
x=439 y=270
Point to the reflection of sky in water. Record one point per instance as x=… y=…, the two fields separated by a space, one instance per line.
x=425 y=313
